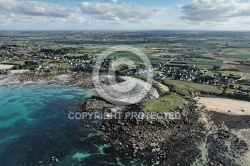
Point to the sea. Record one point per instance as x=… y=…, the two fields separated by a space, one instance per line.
x=35 y=128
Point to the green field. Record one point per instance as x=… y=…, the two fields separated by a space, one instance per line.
x=188 y=88
x=242 y=54
x=202 y=63
x=163 y=104
x=135 y=58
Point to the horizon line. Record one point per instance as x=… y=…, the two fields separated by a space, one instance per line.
x=198 y=30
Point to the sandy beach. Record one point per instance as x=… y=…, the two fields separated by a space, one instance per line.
x=228 y=106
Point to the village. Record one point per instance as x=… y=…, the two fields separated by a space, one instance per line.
x=163 y=70
x=174 y=60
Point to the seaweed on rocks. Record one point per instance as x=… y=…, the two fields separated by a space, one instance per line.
x=165 y=141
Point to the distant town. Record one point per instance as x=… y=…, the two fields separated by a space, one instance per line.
x=189 y=57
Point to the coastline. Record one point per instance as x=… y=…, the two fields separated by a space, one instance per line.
x=199 y=137
x=14 y=79
x=165 y=141
x=80 y=80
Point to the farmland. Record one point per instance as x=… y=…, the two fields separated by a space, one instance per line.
x=190 y=88
x=242 y=54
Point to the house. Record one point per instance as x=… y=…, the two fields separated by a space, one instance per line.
x=231 y=86
x=237 y=76
x=160 y=77
x=243 y=93
x=212 y=82
x=243 y=82
x=221 y=74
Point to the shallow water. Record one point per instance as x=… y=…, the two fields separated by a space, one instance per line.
x=35 y=128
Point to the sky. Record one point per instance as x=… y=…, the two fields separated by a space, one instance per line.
x=125 y=15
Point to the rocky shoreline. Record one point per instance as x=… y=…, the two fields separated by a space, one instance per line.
x=194 y=139
x=83 y=80
x=156 y=140
x=197 y=138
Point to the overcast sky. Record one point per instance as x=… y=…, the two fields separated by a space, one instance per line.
x=125 y=15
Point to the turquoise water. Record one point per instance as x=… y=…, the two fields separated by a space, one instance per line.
x=19 y=102
x=35 y=129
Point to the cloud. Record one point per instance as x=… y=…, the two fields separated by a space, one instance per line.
x=28 y=14
x=214 y=10
x=112 y=1
x=35 y=8
x=125 y=12
x=7 y=5
x=26 y=22
x=111 y=14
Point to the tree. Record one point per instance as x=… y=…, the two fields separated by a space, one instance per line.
x=216 y=67
x=17 y=67
x=225 y=89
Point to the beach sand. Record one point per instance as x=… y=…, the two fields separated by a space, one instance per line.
x=228 y=106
